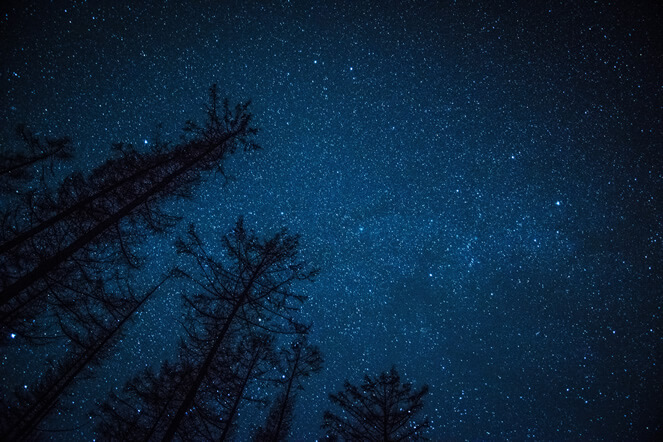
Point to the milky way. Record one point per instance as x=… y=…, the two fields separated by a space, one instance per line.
x=479 y=185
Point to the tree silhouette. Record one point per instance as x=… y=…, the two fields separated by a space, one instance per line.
x=254 y=292
x=68 y=252
x=241 y=302
x=142 y=411
x=381 y=409
x=254 y=357
x=145 y=403
x=92 y=223
x=88 y=345
x=301 y=360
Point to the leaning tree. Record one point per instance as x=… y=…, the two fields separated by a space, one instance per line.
x=91 y=335
x=246 y=294
x=56 y=240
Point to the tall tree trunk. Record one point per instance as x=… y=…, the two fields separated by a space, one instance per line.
x=56 y=260
x=79 y=205
x=286 y=397
x=36 y=413
x=238 y=398
x=204 y=368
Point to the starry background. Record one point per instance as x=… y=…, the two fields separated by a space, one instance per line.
x=479 y=183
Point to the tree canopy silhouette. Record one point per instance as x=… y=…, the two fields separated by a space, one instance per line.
x=380 y=409
x=90 y=340
x=67 y=240
x=237 y=305
x=68 y=255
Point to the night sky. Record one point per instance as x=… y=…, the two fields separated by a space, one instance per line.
x=479 y=184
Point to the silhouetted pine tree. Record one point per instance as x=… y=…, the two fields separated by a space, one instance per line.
x=148 y=402
x=94 y=222
x=145 y=405
x=381 y=409
x=301 y=360
x=91 y=335
x=239 y=298
x=252 y=290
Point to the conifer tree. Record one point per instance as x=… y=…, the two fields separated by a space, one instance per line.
x=90 y=338
x=381 y=409
x=240 y=303
x=94 y=222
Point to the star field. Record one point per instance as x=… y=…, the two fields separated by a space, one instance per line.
x=479 y=185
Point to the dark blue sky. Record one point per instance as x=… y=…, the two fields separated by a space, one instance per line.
x=479 y=184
